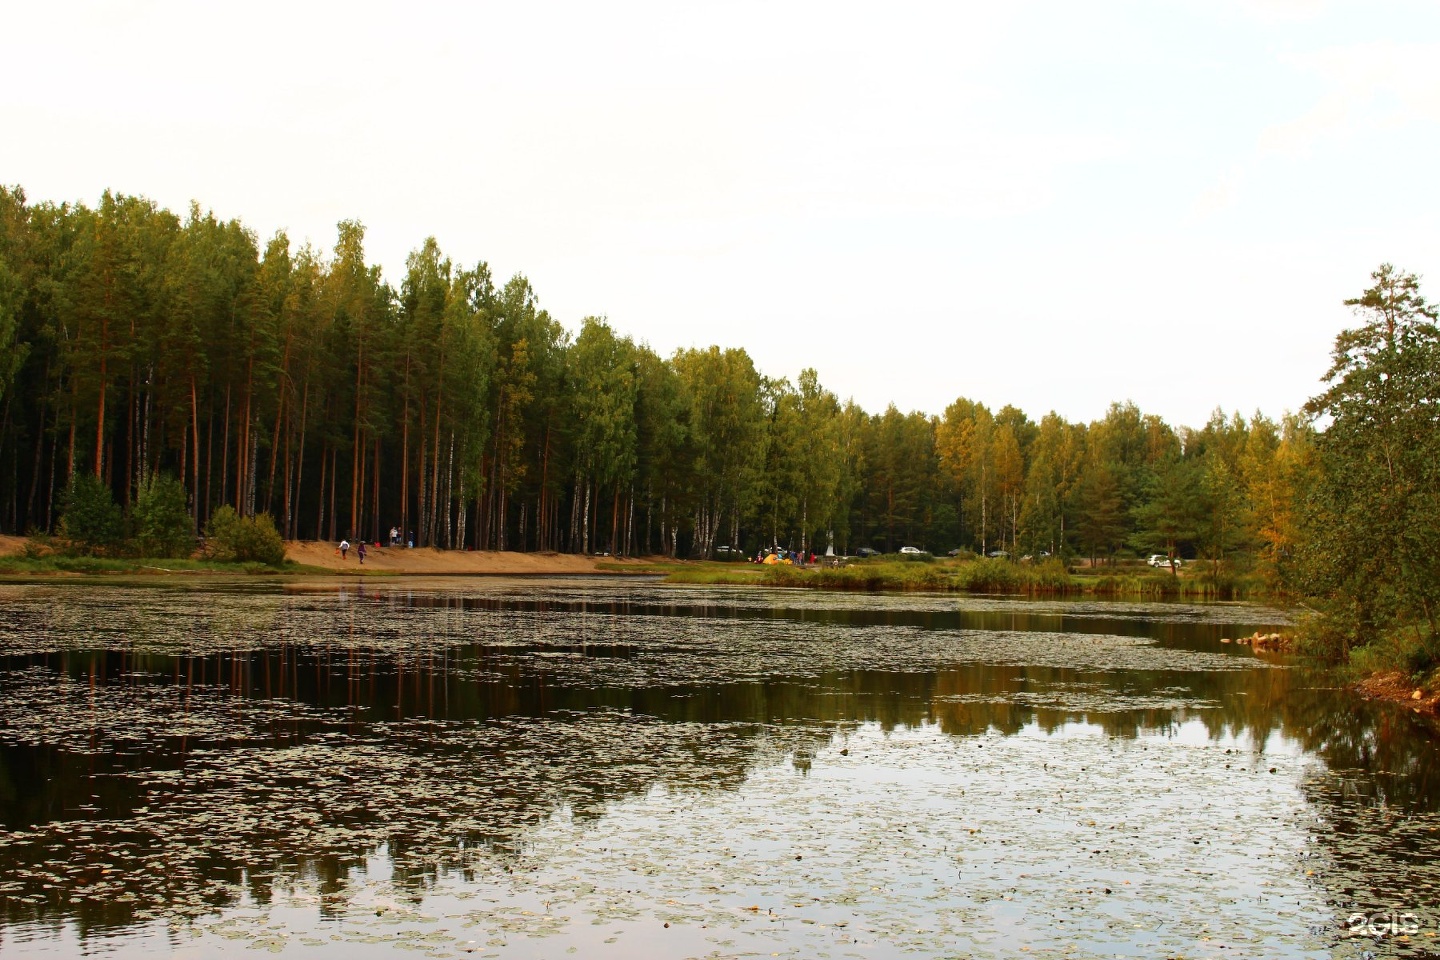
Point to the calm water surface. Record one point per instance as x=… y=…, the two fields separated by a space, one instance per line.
x=593 y=768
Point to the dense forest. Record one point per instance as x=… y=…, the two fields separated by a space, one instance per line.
x=135 y=342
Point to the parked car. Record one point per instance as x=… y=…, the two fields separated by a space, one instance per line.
x=1161 y=560
x=911 y=551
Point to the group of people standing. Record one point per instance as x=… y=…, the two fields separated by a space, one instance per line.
x=344 y=548
x=780 y=555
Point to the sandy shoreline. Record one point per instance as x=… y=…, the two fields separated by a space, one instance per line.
x=426 y=561
x=430 y=561
x=1397 y=688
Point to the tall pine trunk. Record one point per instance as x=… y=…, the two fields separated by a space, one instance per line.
x=225 y=452
x=195 y=458
x=300 y=462
x=405 y=454
x=320 y=500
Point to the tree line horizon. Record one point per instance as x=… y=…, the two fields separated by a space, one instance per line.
x=285 y=381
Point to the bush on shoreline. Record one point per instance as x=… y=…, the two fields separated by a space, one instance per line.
x=90 y=520
x=1332 y=634
x=160 y=520
x=231 y=537
x=158 y=527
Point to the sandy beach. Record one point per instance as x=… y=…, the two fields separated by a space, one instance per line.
x=423 y=560
x=428 y=560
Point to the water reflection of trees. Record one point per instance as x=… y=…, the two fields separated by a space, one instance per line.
x=299 y=758
x=445 y=772
x=1377 y=798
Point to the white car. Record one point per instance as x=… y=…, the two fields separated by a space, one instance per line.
x=911 y=550
x=1160 y=560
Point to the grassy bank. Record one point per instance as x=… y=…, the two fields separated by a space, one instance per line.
x=1401 y=665
x=1407 y=650
x=61 y=565
x=661 y=566
x=973 y=576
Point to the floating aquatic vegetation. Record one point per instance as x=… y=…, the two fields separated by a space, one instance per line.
x=572 y=767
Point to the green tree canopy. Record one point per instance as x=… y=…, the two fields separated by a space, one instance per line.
x=1374 y=513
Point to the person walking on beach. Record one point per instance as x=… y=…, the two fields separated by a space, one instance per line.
x=360 y=551
x=344 y=549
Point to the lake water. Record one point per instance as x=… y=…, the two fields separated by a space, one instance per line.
x=603 y=768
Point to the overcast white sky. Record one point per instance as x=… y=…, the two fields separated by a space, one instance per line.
x=1051 y=204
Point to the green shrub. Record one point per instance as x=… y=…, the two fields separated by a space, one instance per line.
x=1409 y=650
x=1138 y=585
x=998 y=575
x=889 y=574
x=89 y=517
x=1334 y=633
x=38 y=545
x=231 y=537
x=160 y=520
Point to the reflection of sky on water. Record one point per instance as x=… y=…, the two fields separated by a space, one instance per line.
x=910 y=840
x=302 y=759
